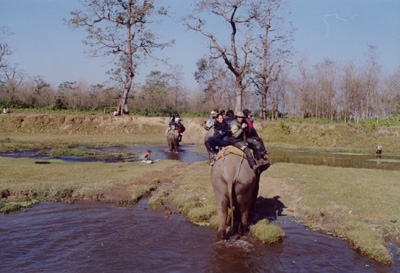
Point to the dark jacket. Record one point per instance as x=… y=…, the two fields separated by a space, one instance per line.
x=221 y=130
x=229 y=120
x=251 y=131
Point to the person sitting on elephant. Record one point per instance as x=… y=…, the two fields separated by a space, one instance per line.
x=230 y=116
x=171 y=121
x=179 y=127
x=238 y=138
x=220 y=138
x=254 y=140
x=211 y=121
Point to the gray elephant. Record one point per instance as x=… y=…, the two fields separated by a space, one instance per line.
x=235 y=186
x=173 y=139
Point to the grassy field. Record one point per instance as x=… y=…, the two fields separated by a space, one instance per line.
x=356 y=204
x=22 y=180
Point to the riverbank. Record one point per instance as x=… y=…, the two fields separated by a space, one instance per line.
x=356 y=204
x=37 y=130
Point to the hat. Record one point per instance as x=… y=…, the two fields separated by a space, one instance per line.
x=240 y=114
x=246 y=112
x=177 y=119
x=213 y=112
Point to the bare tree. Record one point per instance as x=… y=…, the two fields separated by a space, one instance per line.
x=236 y=15
x=371 y=81
x=272 y=47
x=5 y=51
x=391 y=94
x=325 y=89
x=120 y=28
x=176 y=87
x=351 y=87
x=216 y=83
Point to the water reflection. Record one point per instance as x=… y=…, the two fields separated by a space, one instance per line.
x=186 y=153
x=387 y=162
x=192 y=153
x=94 y=237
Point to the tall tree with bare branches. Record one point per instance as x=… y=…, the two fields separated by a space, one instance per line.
x=233 y=50
x=120 y=28
x=272 y=47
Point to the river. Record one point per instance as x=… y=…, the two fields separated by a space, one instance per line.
x=94 y=237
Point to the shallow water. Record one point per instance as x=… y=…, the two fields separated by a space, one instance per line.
x=382 y=162
x=192 y=153
x=95 y=237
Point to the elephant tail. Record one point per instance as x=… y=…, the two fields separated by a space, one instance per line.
x=231 y=183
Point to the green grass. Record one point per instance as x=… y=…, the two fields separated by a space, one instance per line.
x=267 y=233
x=360 y=203
x=15 y=206
x=21 y=180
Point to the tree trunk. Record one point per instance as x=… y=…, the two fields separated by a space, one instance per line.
x=264 y=106
x=239 y=99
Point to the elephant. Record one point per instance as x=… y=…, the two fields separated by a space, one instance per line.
x=173 y=140
x=235 y=186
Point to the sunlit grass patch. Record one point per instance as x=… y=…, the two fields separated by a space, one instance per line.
x=21 y=179
x=193 y=193
x=340 y=199
x=203 y=213
x=266 y=232
x=15 y=206
x=365 y=239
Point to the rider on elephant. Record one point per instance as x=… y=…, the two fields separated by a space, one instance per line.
x=230 y=116
x=238 y=138
x=179 y=127
x=212 y=120
x=256 y=143
x=220 y=138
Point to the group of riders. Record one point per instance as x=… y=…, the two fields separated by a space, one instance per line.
x=175 y=124
x=229 y=129
x=237 y=130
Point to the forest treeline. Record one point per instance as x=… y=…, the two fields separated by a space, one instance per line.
x=254 y=68
x=326 y=90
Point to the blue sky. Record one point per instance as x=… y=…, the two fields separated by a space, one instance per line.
x=339 y=30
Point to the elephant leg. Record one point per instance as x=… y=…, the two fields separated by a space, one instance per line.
x=176 y=145
x=244 y=214
x=254 y=196
x=222 y=215
x=170 y=145
x=243 y=223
